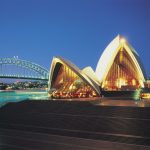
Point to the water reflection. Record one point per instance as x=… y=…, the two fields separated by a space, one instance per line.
x=16 y=96
x=132 y=103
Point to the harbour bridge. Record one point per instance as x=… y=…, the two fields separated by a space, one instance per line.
x=15 y=68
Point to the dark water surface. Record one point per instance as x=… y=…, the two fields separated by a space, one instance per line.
x=15 y=96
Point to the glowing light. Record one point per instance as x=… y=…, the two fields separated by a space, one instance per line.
x=123 y=40
x=145 y=95
x=133 y=82
x=121 y=82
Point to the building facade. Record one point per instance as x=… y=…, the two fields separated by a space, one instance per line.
x=118 y=69
x=68 y=81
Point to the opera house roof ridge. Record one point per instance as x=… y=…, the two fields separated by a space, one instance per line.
x=109 y=55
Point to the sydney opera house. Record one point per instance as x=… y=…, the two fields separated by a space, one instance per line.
x=118 y=69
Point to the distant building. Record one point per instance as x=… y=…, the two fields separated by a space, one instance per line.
x=118 y=69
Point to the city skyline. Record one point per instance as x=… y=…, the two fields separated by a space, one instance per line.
x=38 y=30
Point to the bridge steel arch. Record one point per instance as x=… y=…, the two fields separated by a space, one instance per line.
x=44 y=73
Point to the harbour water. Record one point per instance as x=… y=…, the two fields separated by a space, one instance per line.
x=20 y=95
x=16 y=96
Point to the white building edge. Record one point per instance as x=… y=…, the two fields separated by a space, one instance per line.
x=109 y=54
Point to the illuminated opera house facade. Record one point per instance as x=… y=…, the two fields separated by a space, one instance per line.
x=118 y=69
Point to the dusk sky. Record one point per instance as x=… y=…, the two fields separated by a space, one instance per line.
x=78 y=30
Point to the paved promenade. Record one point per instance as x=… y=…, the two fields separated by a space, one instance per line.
x=74 y=125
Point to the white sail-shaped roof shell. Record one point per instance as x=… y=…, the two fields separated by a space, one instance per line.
x=91 y=74
x=107 y=58
x=80 y=73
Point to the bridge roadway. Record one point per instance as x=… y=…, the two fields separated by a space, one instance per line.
x=73 y=125
x=21 y=77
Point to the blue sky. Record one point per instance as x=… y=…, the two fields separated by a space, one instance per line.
x=78 y=30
